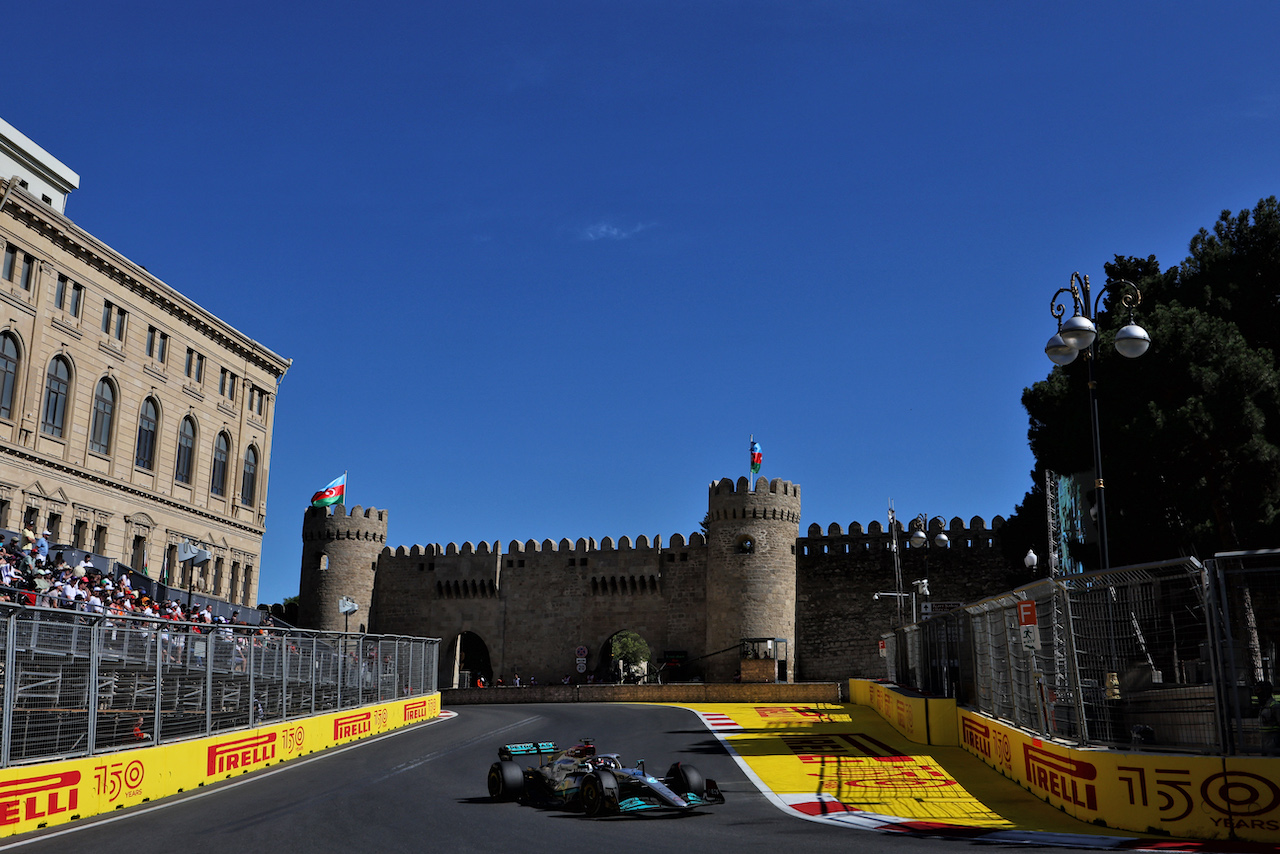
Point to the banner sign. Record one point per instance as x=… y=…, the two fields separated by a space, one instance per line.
x=35 y=796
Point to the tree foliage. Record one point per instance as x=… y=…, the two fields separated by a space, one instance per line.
x=630 y=648
x=1190 y=432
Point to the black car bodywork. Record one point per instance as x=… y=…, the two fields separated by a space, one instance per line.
x=598 y=784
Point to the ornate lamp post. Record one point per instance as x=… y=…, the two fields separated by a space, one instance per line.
x=1079 y=335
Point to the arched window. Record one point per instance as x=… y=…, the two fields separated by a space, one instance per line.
x=55 y=397
x=104 y=402
x=186 y=450
x=8 y=373
x=145 y=455
x=218 y=481
x=249 y=483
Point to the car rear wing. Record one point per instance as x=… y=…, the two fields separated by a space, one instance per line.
x=527 y=748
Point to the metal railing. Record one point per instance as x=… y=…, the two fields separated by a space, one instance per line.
x=1163 y=656
x=77 y=684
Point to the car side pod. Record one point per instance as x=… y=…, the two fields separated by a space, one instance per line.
x=506 y=781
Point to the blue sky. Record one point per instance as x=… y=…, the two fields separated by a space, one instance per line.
x=543 y=267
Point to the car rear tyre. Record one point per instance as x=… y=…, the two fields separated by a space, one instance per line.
x=506 y=781
x=685 y=779
x=599 y=793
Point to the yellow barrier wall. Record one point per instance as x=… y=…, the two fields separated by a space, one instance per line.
x=1198 y=797
x=922 y=720
x=35 y=796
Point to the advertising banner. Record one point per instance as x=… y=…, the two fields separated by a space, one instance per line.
x=1201 y=797
x=36 y=796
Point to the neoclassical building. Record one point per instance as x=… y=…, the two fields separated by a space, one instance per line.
x=131 y=419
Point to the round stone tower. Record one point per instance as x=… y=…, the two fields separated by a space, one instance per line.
x=339 y=558
x=751 y=569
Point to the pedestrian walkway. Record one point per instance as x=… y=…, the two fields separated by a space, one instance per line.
x=844 y=764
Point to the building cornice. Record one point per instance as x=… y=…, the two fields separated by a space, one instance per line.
x=62 y=468
x=62 y=232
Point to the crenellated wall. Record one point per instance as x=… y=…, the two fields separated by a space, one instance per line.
x=838 y=620
x=535 y=604
x=530 y=607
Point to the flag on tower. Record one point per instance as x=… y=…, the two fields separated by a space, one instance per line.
x=756 y=457
x=334 y=493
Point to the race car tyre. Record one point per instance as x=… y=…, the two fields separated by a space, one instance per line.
x=685 y=779
x=506 y=781
x=599 y=792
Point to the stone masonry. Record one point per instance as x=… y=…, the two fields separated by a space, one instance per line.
x=532 y=608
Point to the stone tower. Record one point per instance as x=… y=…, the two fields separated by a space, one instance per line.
x=751 y=568
x=339 y=558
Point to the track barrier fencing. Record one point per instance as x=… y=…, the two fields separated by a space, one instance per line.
x=1162 y=656
x=79 y=684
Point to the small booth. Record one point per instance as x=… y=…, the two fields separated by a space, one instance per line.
x=762 y=660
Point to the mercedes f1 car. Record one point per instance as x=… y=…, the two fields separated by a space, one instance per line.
x=596 y=783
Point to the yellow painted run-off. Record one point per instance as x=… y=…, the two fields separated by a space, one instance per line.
x=846 y=764
x=894 y=761
x=52 y=793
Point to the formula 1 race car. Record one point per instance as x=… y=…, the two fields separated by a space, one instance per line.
x=598 y=784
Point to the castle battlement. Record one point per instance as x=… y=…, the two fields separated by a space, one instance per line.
x=582 y=544
x=976 y=534
x=726 y=486
x=771 y=499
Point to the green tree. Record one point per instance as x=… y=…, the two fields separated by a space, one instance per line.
x=630 y=648
x=1191 y=430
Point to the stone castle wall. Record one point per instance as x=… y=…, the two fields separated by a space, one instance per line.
x=529 y=608
x=838 y=573
x=535 y=604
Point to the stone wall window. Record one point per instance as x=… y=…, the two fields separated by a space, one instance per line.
x=745 y=545
x=249 y=482
x=68 y=296
x=104 y=401
x=8 y=373
x=55 y=397
x=28 y=272
x=186 y=451
x=114 y=320
x=195 y=366
x=157 y=344
x=145 y=454
x=227 y=384
x=218 y=480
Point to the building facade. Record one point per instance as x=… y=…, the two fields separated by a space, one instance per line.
x=131 y=419
x=550 y=609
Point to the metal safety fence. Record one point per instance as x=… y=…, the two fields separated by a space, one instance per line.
x=1167 y=656
x=77 y=684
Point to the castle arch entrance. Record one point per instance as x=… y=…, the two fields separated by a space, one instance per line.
x=468 y=656
x=625 y=656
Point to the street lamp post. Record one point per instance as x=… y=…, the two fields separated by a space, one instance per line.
x=1079 y=335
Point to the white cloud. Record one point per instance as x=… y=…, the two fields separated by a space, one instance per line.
x=608 y=231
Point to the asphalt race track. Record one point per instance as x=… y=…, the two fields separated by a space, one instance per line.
x=423 y=789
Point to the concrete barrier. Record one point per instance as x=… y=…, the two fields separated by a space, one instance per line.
x=683 y=692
